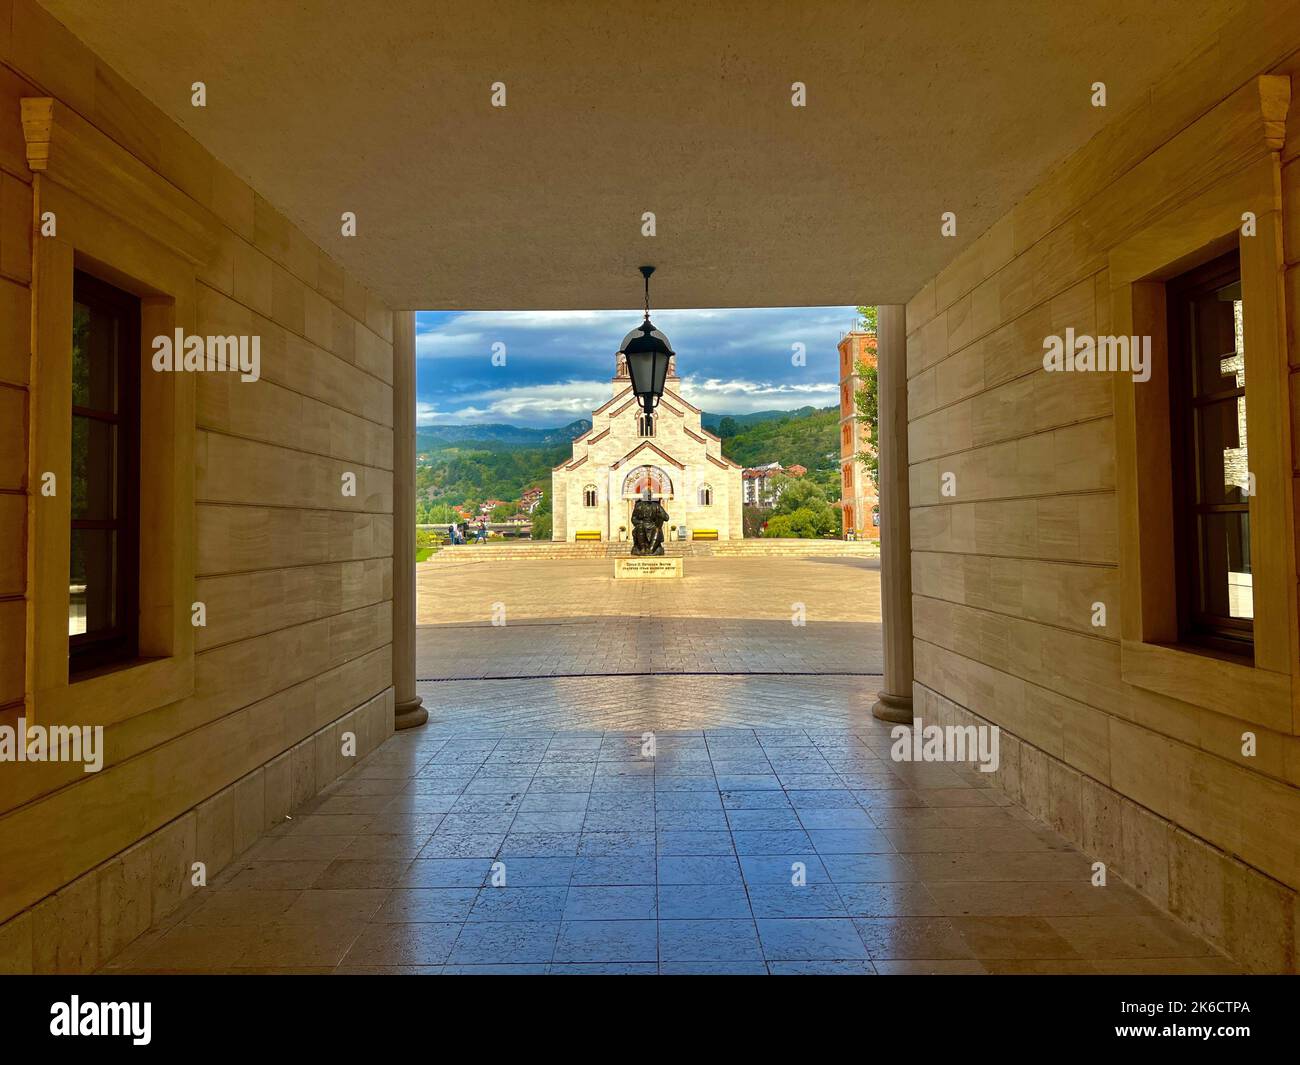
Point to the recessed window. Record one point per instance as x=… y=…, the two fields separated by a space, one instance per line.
x=103 y=578
x=1211 y=474
x=706 y=495
x=589 y=496
x=645 y=424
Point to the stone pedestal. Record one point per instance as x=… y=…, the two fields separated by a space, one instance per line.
x=647 y=567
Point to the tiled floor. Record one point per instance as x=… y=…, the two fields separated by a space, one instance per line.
x=527 y=829
x=536 y=838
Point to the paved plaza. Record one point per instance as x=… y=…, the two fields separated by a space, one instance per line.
x=571 y=617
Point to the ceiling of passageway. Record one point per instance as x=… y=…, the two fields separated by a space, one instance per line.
x=679 y=107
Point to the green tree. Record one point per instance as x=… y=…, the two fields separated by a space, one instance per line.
x=728 y=427
x=801 y=510
x=541 y=526
x=434 y=513
x=805 y=522
x=867 y=401
x=794 y=492
x=504 y=511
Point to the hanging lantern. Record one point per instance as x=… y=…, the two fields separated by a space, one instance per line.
x=648 y=355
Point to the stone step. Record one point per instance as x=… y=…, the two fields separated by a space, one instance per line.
x=756 y=548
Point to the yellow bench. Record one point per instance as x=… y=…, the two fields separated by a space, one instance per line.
x=704 y=534
x=587 y=534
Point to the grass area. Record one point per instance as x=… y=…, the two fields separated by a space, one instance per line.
x=423 y=554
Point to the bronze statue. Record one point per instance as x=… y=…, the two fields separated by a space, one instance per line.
x=648 y=517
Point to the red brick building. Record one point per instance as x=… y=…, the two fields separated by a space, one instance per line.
x=859 y=507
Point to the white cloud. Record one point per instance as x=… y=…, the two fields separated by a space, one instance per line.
x=566 y=401
x=747 y=397
x=558 y=363
x=539 y=404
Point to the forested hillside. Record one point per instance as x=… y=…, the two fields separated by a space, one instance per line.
x=810 y=440
x=472 y=475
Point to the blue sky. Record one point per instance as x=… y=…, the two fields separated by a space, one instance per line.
x=558 y=363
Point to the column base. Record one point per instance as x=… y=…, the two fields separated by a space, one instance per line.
x=896 y=708
x=410 y=714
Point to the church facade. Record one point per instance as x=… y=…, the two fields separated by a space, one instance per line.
x=626 y=451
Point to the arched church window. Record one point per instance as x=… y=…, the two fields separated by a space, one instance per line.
x=645 y=424
x=706 y=495
x=589 y=496
x=640 y=478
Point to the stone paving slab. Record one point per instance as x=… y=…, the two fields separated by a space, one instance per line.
x=677 y=782
x=658 y=703
x=563 y=618
x=528 y=829
x=574 y=646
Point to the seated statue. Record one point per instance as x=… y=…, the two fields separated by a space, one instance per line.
x=648 y=517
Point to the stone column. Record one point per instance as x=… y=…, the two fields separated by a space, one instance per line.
x=894 y=700
x=409 y=712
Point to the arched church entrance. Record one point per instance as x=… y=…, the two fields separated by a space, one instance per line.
x=637 y=480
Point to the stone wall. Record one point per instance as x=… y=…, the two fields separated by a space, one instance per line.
x=296 y=577
x=1106 y=736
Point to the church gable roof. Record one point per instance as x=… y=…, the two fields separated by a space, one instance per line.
x=611 y=401
x=642 y=447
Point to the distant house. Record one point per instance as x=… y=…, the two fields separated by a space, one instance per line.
x=756 y=482
x=796 y=470
x=530 y=500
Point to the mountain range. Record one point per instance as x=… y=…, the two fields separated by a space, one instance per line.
x=435 y=436
x=429 y=437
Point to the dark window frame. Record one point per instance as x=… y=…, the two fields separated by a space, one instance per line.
x=1231 y=636
x=120 y=643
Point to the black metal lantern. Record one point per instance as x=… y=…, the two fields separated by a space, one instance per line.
x=648 y=354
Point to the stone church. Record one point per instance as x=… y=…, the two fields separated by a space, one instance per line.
x=626 y=451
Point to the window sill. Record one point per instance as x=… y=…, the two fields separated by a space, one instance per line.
x=116 y=693
x=1210 y=680
x=94 y=673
